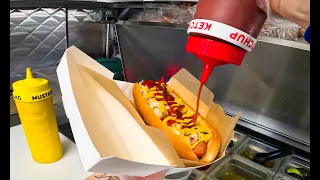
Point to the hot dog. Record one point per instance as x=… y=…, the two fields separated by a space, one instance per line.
x=160 y=107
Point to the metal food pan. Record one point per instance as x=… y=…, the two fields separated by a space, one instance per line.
x=213 y=166
x=237 y=139
x=281 y=177
x=238 y=165
x=255 y=146
x=207 y=178
x=294 y=161
x=196 y=175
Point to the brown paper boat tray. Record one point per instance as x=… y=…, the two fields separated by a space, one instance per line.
x=110 y=135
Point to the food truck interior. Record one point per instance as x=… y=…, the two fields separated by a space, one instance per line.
x=140 y=40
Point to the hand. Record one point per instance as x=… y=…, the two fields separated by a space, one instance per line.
x=102 y=176
x=157 y=176
x=297 y=11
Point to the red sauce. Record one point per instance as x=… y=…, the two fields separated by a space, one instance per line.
x=170 y=103
x=148 y=83
x=179 y=114
x=170 y=122
x=175 y=111
x=169 y=98
x=162 y=80
x=158 y=87
x=194 y=119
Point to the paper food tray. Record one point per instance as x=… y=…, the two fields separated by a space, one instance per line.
x=110 y=135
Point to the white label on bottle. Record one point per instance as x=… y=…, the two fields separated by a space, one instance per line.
x=222 y=31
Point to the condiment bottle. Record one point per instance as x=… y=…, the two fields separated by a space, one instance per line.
x=222 y=31
x=33 y=98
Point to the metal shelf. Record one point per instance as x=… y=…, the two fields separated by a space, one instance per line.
x=287 y=43
x=293 y=44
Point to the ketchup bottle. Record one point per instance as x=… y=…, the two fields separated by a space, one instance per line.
x=222 y=31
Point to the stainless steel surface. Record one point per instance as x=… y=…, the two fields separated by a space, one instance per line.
x=242 y=167
x=293 y=44
x=271 y=88
x=107 y=40
x=255 y=146
x=275 y=135
x=196 y=175
x=294 y=161
x=37 y=38
x=281 y=177
x=85 y=31
x=237 y=139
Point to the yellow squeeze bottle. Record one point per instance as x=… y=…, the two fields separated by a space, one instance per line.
x=33 y=98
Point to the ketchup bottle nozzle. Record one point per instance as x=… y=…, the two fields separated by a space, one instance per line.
x=206 y=72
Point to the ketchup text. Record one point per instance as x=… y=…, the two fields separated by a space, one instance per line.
x=243 y=39
x=200 y=25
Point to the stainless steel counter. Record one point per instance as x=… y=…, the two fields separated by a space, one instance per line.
x=234 y=159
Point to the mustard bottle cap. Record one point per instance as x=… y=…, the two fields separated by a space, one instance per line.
x=29 y=88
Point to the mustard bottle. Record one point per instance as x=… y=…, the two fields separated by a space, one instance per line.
x=33 y=98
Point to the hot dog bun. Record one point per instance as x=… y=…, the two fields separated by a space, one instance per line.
x=181 y=147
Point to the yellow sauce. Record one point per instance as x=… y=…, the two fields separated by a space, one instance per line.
x=187 y=131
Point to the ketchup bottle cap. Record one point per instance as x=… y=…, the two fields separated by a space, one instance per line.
x=215 y=52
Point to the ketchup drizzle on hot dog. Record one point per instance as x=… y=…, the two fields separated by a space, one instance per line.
x=170 y=122
x=149 y=83
x=176 y=111
x=173 y=111
x=170 y=103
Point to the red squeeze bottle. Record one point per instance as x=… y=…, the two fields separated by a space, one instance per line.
x=222 y=31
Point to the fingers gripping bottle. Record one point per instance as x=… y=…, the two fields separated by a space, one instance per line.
x=33 y=98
